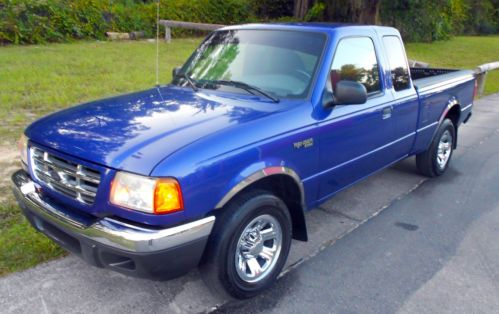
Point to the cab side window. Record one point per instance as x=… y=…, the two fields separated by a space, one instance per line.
x=398 y=63
x=355 y=60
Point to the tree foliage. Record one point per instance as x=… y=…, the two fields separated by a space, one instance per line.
x=424 y=20
x=419 y=20
x=482 y=17
x=428 y=20
x=40 y=21
x=271 y=9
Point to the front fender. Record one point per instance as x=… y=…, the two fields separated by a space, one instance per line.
x=249 y=176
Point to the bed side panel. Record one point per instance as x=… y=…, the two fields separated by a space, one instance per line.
x=434 y=101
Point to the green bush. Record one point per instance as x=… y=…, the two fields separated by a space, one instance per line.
x=316 y=12
x=40 y=21
x=269 y=10
x=483 y=17
x=429 y=20
x=421 y=20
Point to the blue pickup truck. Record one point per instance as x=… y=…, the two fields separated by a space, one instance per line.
x=217 y=168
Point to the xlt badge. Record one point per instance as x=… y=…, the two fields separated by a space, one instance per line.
x=304 y=144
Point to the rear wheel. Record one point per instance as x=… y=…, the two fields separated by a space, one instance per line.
x=434 y=161
x=249 y=245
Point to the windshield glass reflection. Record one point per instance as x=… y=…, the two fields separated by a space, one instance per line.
x=280 y=63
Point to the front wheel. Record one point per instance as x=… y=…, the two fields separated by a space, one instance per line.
x=434 y=161
x=249 y=245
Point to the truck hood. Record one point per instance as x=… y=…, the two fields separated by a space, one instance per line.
x=135 y=132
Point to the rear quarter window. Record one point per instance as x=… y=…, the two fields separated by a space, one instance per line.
x=398 y=63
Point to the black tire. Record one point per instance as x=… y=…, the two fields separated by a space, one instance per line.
x=218 y=267
x=428 y=162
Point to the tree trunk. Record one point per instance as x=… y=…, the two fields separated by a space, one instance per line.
x=301 y=8
x=370 y=12
x=353 y=11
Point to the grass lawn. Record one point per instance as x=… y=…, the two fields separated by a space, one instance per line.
x=21 y=246
x=36 y=80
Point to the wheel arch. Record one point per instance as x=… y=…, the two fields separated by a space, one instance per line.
x=285 y=183
x=453 y=112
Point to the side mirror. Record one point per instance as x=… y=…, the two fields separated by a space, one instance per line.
x=176 y=71
x=346 y=93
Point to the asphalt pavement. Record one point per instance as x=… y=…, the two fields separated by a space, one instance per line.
x=396 y=242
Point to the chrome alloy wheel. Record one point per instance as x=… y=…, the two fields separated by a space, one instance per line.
x=444 y=149
x=258 y=248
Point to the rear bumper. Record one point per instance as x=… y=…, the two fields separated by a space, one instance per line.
x=124 y=247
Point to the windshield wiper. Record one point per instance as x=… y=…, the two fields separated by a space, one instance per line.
x=189 y=80
x=247 y=87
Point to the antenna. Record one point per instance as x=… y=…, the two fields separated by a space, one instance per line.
x=157 y=43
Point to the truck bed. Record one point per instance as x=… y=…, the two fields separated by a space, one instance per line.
x=437 y=89
x=425 y=78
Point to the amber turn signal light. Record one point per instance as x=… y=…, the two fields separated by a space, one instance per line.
x=167 y=196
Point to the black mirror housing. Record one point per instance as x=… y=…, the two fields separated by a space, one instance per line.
x=327 y=99
x=350 y=93
x=346 y=93
x=176 y=71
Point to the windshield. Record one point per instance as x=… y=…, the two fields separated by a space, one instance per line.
x=280 y=63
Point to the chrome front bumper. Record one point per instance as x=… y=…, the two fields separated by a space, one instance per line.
x=107 y=231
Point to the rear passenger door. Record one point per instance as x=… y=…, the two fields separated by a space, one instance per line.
x=355 y=139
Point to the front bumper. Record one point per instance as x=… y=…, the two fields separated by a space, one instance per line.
x=111 y=243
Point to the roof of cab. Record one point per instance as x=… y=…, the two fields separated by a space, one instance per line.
x=316 y=26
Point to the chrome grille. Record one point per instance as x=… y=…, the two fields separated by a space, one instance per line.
x=64 y=176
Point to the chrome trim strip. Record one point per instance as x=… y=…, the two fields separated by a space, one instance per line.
x=46 y=165
x=427 y=126
x=466 y=108
x=108 y=231
x=260 y=174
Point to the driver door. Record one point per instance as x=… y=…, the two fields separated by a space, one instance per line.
x=355 y=139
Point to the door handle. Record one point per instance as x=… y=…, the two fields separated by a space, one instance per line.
x=387 y=112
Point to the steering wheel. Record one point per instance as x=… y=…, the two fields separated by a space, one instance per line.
x=303 y=73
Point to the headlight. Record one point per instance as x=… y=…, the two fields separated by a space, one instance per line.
x=22 y=145
x=150 y=195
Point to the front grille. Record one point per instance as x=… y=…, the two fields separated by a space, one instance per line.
x=64 y=176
